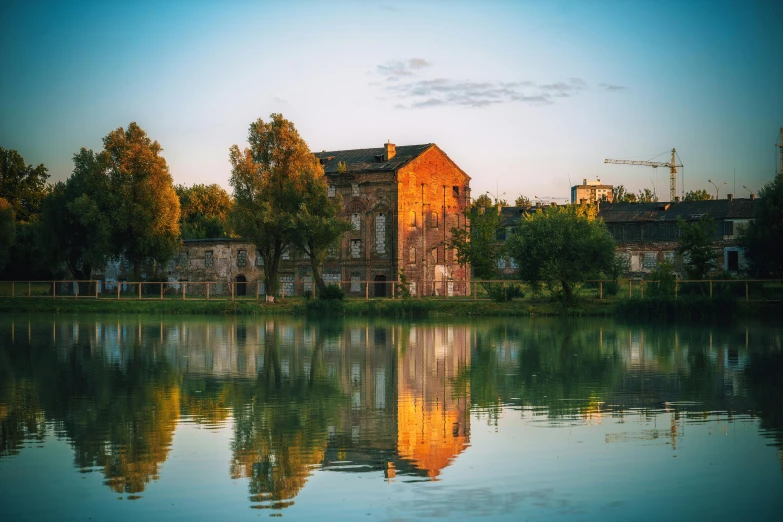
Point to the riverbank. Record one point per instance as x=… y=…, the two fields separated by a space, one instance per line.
x=686 y=308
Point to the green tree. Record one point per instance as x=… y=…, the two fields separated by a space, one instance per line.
x=270 y=179
x=146 y=208
x=76 y=217
x=522 y=201
x=318 y=225
x=620 y=195
x=22 y=186
x=695 y=247
x=478 y=245
x=7 y=231
x=204 y=211
x=646 y=196
x=763 y=237
x=697 y=195
x=562 y=245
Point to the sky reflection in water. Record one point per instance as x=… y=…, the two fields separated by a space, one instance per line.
x=505 y=419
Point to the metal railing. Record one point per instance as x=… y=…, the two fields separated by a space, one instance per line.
x=603 y=289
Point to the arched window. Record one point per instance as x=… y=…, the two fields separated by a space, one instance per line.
x=380 y=233
x=412 y=255
x=412 y=218
x=433 y=220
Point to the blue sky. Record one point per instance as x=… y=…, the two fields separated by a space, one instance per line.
x=522 y=95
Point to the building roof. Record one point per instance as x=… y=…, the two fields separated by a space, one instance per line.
x=687 y=210
x=370 y=160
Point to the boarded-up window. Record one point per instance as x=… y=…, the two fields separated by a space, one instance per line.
x=331 y=191
x=242 y=258
x=355 y=189
x=355 y=283
x=208 y=258
x=331 y=252
x=356 y=248
x=286 y=285
x=286 y=254
x=650 y=260
x=183 y=258
x=455 y=191
x=380 y=233
x=356 y=221
x=412 y=255
x=259 y=259
x=433 y=220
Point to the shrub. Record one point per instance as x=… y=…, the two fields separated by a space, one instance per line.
x=332 y=292
x=662 y=280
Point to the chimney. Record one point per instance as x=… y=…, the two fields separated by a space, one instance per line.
x=584 y=181
x=752 y=196
x=390 y=150
x=676 y=199
x=730 y=197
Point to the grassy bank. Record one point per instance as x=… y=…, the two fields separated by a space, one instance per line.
x=690 y=308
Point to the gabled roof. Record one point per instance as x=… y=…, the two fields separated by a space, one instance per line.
x=687 y=210
x=367 y=160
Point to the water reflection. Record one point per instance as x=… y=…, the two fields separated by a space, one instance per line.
x=389 y=398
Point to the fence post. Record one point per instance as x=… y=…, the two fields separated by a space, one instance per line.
x=746 y=291
x=232 y=290
x=258 y=289
x=161 y=291
x=641 y=287
x=118 y=290
x=76 y=290
x=183 y=290
x=54 y=289
x=13 y=288
x=209 y=285
x=29 y=289
x=366 y=290
x=710 y=288
x=140 y=290
x=676 y=287
x=474 y=290
x=282 y=291
x=600 y=290
x=629 y=289
x=96 y=289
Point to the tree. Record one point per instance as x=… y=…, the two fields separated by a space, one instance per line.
x=22 y=186
x=204 y=211
x=695 y=247
x=697 y=195
x=479 y=245
x=620 y=195
x=562 y=245
x=763 y=237
x=318 y=225
x=522 y=201
x=269 y=180
x=146 y=208
x=7 y=231
x=646 y=196
x=76 y=217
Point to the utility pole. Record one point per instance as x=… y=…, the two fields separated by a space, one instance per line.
x=781 y=150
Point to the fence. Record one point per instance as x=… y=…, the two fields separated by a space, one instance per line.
x=744 y=289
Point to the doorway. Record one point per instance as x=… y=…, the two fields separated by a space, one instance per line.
x=380 y=286
x=241 y=285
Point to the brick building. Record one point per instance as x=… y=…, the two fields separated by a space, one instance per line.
x=402 y=203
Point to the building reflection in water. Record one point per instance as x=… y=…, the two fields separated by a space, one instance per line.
x=351 y=397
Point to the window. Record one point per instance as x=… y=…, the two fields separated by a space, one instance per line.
x=331 y=191
x=286 y=285
x=668 y=257
x=412 y=218
x=455 y=191
x=286 y=254
x=356 y=221
x=183 y=258
x=208 y=258
x=732 y=260
x=241 y=258
x=500 y=234
x=514 y=263
x=501 y=263
x=650 y=260
x=259 y=259
x=433 y=220
x=331 y=252
x=356 y=248
x=355 y=283
x=355 y=190
x=412 y=255
x=380 y=233
x=728 y=228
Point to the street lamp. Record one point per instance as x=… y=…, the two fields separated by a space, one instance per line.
x=750 y=191
x=717 y=188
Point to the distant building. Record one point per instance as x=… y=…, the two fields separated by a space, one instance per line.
x=591 y=191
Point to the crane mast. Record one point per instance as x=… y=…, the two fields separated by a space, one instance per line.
x=672 y=166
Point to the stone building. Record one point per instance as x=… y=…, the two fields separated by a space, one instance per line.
x=591 y=191
x=402 y=203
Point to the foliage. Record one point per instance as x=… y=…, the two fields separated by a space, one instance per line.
x=146 y=210
x=29 y=257
x=7 y=231
x=697 y=195
x=403 y=287
x=663 y=280
x=763 y=237
x=271 y=179
x=620 y=195
x=695 y=247
x=505 y=292
x=478 y=245
x=76 y=217
x=562 y=245
x=22 y=186
x=332 y=292
x=204 y=211
x=646 y=196
x=522 y=201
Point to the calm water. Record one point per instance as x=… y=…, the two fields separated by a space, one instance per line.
x=128 y=418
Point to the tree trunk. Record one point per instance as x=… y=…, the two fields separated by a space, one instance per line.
x=319 y=280
x=569 y=295
x=137 y=269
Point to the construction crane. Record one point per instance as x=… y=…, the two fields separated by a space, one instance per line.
x=655 y=164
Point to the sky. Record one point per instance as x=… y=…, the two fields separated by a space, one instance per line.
x=527 y=97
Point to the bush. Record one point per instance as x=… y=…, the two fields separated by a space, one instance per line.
x=325 y=307
x=662 y=280
x=500 y=292
x=332 y=292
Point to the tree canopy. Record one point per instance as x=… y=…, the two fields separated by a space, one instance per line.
x=562 y=245
x=204 y=211
x=620 y=195
x=522 y=201
x=695 y=246
x=697 y=195
x=270 y=180
x=763 y=237
x=479 y=245
x=7 y=231
x=146 y=212
x=22 y=186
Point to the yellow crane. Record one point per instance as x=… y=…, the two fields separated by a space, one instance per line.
x=672 y=165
